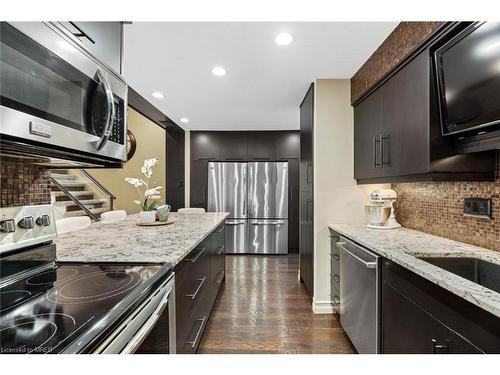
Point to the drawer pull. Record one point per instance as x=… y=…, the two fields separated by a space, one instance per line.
x=220 y=229
x=193 y=343
x=336 y=300
x=193 y=296
x=221 y=249
x=192 y=260
x=336 y=278
x=440 y=348
x=220 y=278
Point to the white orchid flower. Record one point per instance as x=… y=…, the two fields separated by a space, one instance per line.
x=137 y=202
x=155 y=197
x=134 y=181
x=153 y=191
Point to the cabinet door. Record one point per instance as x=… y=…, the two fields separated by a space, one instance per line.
x=306 y=241
x=293 y=205
x=261 y=146
x=406 y=119
x=367 y=142
x=306 y=141
x=199 y=183
x=205 y=145
x=233 y=146
x=408 y=329
x=288 y=145
x=103 y=39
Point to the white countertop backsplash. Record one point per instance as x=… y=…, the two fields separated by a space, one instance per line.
x=403 y=245
x=124 y=241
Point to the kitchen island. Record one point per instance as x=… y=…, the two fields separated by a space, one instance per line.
x=124 y=241
x=193 y=245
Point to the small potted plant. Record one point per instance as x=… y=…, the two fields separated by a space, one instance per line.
x=149 y=196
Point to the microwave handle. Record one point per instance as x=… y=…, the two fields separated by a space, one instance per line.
x=110 y=110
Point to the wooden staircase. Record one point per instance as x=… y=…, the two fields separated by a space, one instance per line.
x=79 y=189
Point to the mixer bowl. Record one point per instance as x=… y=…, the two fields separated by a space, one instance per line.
x=377 y=215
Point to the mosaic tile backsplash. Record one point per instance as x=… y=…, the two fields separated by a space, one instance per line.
x=437 y=208
x=23 y=184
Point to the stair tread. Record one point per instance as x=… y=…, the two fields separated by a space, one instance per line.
x=78 y=192
x=82 y=201
x=71 y=183
x=83 y=213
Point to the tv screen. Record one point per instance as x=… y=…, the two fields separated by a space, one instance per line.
x=468 y=71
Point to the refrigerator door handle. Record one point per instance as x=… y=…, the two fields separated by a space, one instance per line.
x=235 y=222
x=274 y=222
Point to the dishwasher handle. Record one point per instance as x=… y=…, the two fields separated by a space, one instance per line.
x=341 y=246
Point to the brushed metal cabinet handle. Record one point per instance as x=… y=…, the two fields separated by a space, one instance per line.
x=220 y=251
x=221 y=276
x=192 y=260
x=197 y=336
x=193 y=296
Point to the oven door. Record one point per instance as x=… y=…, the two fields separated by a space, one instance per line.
x=56 y=94
x=150 y=328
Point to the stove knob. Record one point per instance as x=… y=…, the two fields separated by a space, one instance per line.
x=7 y=226
x=43 y=221
x=26 y=222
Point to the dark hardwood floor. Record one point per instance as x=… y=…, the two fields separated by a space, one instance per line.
x=263 y=308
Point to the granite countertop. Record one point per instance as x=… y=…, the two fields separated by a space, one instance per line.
x=403 y=245
x=124 y=241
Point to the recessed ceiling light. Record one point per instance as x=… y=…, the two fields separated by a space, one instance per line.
x=158 y=95
x=219 y=71
x=184 y=120
x=283 y=39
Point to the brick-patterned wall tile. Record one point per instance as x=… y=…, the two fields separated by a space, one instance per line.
x=437 y=208
x=23 y=184
x=405 y=38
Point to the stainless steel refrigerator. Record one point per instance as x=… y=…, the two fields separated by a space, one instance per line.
x=256 y=196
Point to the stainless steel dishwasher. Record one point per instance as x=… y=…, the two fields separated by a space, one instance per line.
x=359 y=295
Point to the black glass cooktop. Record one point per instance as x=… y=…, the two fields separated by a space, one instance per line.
x=50 y=310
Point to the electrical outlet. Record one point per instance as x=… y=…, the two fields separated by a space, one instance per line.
x=477 y=207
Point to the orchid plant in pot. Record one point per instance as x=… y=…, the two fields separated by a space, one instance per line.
x=149 y=196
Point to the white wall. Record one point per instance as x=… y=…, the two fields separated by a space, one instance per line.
x=187 y=167
x=337 y=198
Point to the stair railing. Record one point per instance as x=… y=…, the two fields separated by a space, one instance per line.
x=110 y=195
x=74 y=199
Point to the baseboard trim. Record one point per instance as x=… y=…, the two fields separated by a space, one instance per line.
x=324 y=307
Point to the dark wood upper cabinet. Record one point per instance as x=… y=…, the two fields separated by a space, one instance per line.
x=205 y=145
x=405 y=142
x=261 y=145
x=306 y=140
x=103 y=39
x=288 y=145
x=233 y=146
x=367 y=130
x=397 y=135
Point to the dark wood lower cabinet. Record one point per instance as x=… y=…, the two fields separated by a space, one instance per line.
x=198 y=279
x=408 y=329
x=420 y=317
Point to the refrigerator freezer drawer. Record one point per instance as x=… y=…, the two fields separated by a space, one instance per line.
x=268 y=236
x=236 y=236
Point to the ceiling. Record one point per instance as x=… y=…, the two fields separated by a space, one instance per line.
x=265 y=83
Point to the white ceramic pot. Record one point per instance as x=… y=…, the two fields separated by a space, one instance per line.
x=147 y=216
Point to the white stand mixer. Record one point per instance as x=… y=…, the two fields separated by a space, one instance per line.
x=382 y=200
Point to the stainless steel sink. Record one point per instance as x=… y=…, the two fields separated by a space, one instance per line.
x=477 y=270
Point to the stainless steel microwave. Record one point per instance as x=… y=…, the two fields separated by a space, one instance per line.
x=57 y=101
